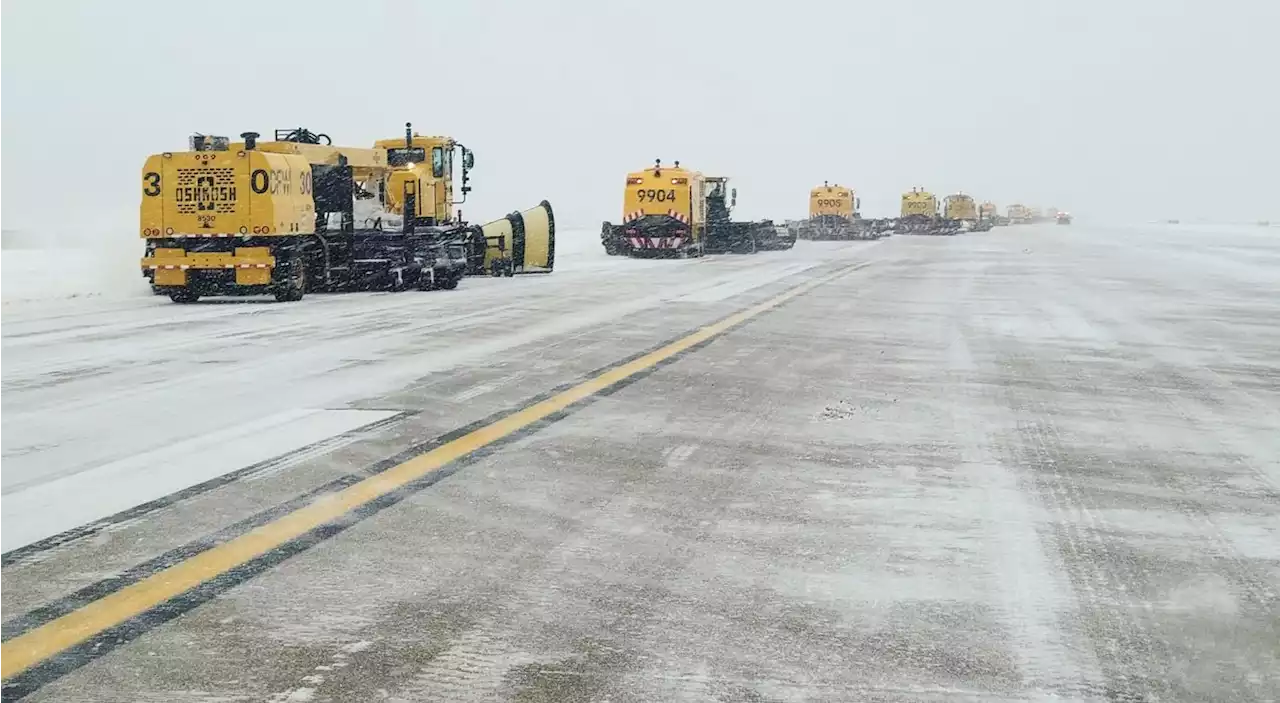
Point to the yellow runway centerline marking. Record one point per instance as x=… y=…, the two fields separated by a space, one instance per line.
x=33 y=647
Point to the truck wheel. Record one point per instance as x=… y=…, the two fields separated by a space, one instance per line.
x=289 y=295
x=450 y=282
x=183 y=296
x=293 y=291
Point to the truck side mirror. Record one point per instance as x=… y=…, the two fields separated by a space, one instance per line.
x=468 y=158
x=733 y=193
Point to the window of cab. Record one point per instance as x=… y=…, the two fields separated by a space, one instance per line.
x=441 y=162
x=406 y=156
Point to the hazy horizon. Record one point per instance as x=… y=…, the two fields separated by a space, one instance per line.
x=1129 y=112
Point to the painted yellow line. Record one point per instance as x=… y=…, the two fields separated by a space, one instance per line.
x=31 y=648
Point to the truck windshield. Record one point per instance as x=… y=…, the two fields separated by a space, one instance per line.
x=406 y=156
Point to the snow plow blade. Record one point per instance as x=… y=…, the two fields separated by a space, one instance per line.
x=521 y=242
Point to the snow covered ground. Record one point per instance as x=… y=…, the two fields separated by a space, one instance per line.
x=1034 y=464
x=107 y=387
x=30 y=276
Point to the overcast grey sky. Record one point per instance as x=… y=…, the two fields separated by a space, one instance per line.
x=1124 y=109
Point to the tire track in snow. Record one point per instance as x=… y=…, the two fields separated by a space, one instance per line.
x=1034 y=594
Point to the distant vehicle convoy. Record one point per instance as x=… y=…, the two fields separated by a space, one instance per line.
x=298 y=214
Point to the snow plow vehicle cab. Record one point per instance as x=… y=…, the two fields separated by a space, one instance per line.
x=421 y=189
x=918 y=203
x=673 y=211
x=919 y=214
x=1017 y=214
x=959 y=210
x=833 y=214
x=663 y=213
x=960 y=207
x=989 y=213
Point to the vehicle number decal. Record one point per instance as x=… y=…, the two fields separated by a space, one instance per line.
x=656 y=195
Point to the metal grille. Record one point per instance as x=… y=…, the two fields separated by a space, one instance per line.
x=187 y=178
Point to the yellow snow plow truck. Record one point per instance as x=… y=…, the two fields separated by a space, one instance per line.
x=671 y=211
x=960 y=211
x=834 y=214
x=1018 y=214
x=919 y=214
x=298 y=214
x=988 y=212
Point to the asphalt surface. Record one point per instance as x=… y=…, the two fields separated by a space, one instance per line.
x=1040 y=463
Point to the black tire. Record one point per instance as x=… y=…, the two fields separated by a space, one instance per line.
x=293 y=291
x=183 y=296
x=450 y=283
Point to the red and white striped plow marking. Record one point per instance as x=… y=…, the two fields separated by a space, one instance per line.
x=656 y=242
x=184 y=267
x=679 y=216
x=633 y=215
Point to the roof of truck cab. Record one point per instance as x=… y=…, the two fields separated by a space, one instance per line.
x=663 y=171
x=417 y=140
x=833 y=188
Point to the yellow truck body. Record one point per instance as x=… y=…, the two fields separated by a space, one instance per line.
x=226 y=193
x=918 y=202
x=666 y=191
x=834 y=200
x=960 y=207
x=421 y=167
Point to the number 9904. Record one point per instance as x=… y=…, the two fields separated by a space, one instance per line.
x=655 y=195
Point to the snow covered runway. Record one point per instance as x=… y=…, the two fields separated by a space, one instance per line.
x=1029 y=464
